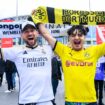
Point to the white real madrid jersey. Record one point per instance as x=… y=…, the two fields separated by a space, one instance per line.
x=34 y=69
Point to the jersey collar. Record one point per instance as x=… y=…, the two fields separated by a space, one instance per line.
x=32 y=47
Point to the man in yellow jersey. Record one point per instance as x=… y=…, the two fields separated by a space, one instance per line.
x=79 y=65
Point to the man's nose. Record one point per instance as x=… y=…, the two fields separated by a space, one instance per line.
x=29 y=32
x=76 y=36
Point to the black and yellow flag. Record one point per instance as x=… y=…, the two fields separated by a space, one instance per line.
x=64 y=16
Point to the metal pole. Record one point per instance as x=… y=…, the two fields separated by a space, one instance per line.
x=90 y=26
x=16 y=10
x=89 y=5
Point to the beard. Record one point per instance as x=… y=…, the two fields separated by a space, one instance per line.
x=31 y=44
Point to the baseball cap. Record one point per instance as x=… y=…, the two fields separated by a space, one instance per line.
x=27 y=24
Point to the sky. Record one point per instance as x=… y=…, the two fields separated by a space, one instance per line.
x=9 y=8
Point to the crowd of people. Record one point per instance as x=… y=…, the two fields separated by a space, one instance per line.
x=36 y=67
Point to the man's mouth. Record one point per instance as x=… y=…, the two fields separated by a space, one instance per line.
x=30 y=41
x=30 y=38
x=77 y=42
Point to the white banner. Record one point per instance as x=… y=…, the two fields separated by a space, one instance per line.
x=10 y=29
x=13 y=29
x=57 y=29
x=100 y=33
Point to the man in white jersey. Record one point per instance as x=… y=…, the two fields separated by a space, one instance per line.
x=34 y=68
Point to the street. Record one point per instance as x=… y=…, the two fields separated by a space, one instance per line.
x=12 y=98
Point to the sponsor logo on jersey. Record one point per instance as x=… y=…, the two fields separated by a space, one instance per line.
x=74 y=63
x=35 y=62
x=25 y=52
x=86 y=55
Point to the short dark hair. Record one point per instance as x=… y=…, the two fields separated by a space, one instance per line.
x=28 y=26
x=82 y=28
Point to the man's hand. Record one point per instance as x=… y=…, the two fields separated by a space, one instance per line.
x=33 y=12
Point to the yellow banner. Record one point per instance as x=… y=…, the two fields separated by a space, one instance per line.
x=64 y=16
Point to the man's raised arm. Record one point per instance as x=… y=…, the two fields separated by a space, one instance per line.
x=44 y=32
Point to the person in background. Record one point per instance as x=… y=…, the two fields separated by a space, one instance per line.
x=2 y=68
x=56 y=73
x=99 y=79
x=9 y=72
x=14 y=75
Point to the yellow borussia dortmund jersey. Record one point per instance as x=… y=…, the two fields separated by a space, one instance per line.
x=79 y=71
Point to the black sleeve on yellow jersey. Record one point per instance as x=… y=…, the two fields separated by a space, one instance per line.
x=55 y=45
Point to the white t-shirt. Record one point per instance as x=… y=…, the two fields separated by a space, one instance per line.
x=34 y=69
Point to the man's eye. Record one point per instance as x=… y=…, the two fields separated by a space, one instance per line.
x=25 y=31
x=73 y=35
x=80 y=35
